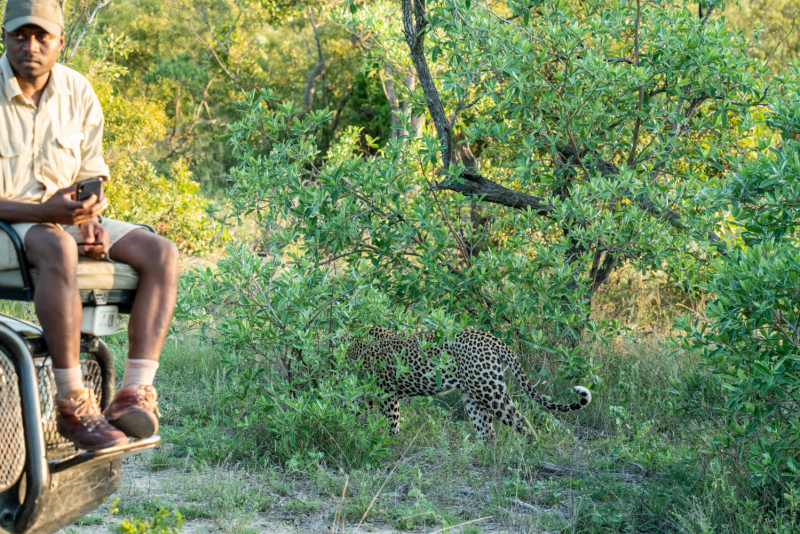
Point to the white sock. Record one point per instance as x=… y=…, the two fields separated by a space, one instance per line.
x=68 y=380
x=139 y=373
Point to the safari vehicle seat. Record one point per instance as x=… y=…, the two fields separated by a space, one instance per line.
x=45 y=482
x=100 y=282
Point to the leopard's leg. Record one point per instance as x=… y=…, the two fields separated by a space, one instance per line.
x=391 y=409
x=506 y=412
x=481 y=419
x=363 y=411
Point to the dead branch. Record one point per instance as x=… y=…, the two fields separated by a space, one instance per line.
x=563 y=471
x=100 y=5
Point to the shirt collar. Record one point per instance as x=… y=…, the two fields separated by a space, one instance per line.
x=10 y=85
x=55 y=85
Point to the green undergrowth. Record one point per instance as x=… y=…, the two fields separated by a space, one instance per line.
x=632 y=462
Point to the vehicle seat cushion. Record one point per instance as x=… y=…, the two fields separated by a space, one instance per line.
x=91 y=275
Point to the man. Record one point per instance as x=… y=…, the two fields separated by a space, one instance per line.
x=51 y=129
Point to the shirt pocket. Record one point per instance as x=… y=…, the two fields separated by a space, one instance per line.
x=68 y=156
x=9 y=151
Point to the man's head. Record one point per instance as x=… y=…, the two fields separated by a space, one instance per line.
x=33 y=31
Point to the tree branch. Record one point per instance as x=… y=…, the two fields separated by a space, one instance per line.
x=308 y=94
x=414 y=28
x=644 y=201
x=100 y=5
x=473 y=184
x=635 y=142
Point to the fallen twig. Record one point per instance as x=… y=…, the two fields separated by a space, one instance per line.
x=537 y=509
x=563 y=471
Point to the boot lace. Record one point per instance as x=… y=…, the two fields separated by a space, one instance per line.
x=149 y=399
x=87 y=411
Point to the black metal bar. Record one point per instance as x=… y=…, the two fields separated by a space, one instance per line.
x=36 y=462
x=98 y=350
x=22 y=259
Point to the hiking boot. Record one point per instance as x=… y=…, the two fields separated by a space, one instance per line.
x=78 y=419
x=132 y=411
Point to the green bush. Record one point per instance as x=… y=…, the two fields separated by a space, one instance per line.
x=170 y=203
x=162 y=522
x=751 y=342
x=288 y=381
x=138 y=192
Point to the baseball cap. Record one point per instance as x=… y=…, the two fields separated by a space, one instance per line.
x=47 y=14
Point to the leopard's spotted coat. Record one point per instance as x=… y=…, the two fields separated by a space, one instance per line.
x=476 y=368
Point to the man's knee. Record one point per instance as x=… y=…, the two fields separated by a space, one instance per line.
x=48 y=246
x=167 y=254
x=146 y=251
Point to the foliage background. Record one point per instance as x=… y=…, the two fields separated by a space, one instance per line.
x=642 y=141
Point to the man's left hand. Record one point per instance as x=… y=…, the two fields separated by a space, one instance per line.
x=96 y=238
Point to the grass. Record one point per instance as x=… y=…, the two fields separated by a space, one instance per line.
x=446 y=477
x=437 y=474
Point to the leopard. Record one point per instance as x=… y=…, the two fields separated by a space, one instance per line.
x=475 y=366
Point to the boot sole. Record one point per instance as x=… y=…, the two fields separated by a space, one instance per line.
x=136 y=425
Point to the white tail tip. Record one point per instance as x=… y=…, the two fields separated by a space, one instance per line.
x=583 y=392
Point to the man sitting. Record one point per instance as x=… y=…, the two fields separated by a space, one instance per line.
x=51 y=130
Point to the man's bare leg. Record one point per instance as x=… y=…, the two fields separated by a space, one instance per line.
x=58 y=303
x=156 y=261
x=58 y=306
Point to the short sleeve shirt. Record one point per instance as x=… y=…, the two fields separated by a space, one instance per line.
x=52 y=146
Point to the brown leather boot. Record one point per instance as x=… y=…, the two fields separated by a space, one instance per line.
x=78 y=419
x=132 y=411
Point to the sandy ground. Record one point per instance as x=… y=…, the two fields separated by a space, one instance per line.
x=141 y=484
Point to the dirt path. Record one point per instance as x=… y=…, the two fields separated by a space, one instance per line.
x=230 y=501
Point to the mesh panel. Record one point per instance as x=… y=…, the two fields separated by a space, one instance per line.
x=92 y=378
x=12 y=439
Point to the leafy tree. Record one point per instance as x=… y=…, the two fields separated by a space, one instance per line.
x=196 y=58
x=563 y=142
x=772 y=28
x=595 y=159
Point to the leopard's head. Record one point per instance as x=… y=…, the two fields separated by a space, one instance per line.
x=358 y=347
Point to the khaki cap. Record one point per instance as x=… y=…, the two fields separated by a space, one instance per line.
x=47 y=14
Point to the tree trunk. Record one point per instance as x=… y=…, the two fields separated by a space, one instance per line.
x=394 y=103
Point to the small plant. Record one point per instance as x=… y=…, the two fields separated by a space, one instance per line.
x=162 y=522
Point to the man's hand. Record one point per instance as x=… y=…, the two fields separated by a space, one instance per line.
x=96 y=238
x=61 y=209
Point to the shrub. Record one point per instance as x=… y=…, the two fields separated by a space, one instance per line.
x=751 y=343
x=170 y=203
x=289 y=381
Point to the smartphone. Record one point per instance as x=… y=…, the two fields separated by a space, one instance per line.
x=87 y=188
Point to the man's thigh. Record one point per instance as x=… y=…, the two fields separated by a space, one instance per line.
x=116 y=231
x=8 y=252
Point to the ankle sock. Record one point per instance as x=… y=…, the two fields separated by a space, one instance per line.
x=68 y=380
x=139 y=373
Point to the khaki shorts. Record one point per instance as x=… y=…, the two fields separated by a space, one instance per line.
x=8 y=257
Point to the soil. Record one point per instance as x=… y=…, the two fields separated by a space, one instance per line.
x=139 y=483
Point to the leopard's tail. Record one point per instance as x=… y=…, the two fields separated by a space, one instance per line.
x=516 y=369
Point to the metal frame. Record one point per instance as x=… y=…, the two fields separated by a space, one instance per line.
x=14 y=293
x=36 y=470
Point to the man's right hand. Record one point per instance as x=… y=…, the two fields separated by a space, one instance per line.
x=62 y=209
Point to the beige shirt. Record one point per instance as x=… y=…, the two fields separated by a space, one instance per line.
x=53 y=146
